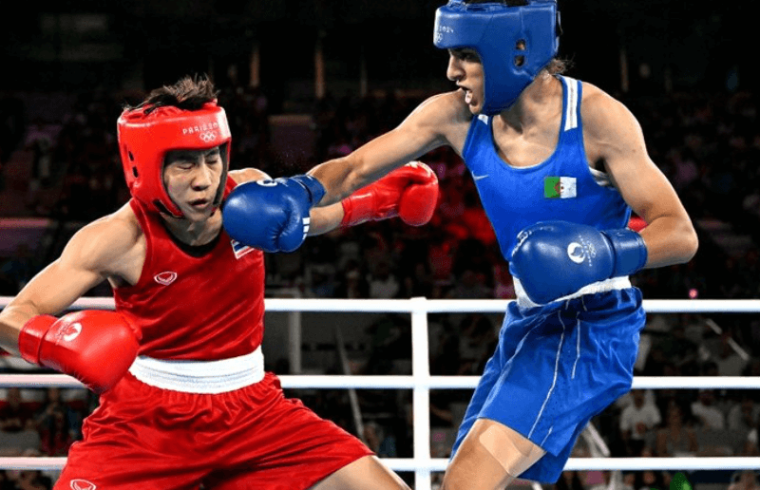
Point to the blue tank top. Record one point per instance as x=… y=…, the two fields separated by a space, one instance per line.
x=563 y=187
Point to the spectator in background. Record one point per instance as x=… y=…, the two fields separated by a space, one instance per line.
x=32 y=480
x=504 y=287
x=709 y=368
x=751 y=446
x=613 y=480
x=746 y=480
x=637 y=420
x=6 y=483
x=704 y=409
x=569 y=480
x=352 y=284
x=743 y=416
x=320 y=281
x=46 y=418
x=56 y=435
x=470 y=285
x=729 y=362
x=418 y=282
x=477 y=342
x=649 y=480
x=675 y=438
x=376 y=439
x=383 y=283
x=14 y=416
x=680 y=350
x=39 y=142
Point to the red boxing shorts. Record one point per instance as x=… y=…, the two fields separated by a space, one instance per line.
x=148 y=438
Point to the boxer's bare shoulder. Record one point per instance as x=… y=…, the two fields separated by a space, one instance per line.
x=113 y=245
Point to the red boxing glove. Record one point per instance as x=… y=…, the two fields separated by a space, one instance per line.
x=409 y=192
x=95 y=347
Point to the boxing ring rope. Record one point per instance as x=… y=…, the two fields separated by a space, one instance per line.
x=421 y=381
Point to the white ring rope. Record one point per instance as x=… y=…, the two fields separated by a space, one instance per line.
x=421 y=382
x=439 y=464
x=406 y=382
x=449 y=305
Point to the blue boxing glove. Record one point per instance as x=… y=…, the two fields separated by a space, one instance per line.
x=553 y=259
x=271 y=215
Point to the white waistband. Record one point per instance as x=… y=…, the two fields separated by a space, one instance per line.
x=597 y=287
x=208 y=377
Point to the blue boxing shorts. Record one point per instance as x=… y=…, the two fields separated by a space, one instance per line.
x=555 y=367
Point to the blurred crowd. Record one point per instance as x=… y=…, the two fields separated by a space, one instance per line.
x=39 y=423
x=707 y=144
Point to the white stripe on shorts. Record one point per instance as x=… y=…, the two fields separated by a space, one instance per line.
x=577 y=343
x=554 y=380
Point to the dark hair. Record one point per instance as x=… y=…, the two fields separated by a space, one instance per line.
x=189 y=93
x=558 y=66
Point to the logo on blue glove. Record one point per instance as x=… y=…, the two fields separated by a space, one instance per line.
x=266 y=183
x=576 y=253
x=582 y=251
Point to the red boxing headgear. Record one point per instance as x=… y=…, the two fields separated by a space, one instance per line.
x=146 y=134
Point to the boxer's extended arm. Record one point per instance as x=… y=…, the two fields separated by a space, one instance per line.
x=439 y=121
x=614 y=136
x=277 y=215
x=95 y=346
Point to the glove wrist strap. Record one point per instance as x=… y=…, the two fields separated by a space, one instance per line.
x=357 y=209
x=630 y=251
x=31 y=336
x=316 y=189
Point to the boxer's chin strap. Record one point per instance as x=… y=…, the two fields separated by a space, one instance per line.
x=513 y=451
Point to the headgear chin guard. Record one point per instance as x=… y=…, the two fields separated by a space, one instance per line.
x=514 y=43
x=145 y=136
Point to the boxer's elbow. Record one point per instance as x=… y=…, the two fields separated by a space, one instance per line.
x=670 y=242
x=688 y=242
x=693 y=244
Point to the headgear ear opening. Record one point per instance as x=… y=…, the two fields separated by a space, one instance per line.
x=146 y=134
x=514 y=43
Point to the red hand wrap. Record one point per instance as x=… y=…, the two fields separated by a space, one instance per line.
x=95 y=347
x=636 y=224
x=409 y=192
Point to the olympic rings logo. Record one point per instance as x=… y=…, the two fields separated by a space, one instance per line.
x=208 y=136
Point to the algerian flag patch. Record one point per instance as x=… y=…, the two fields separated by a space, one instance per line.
x=559 y=187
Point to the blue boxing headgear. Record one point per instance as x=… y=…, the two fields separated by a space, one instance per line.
x=514 y=43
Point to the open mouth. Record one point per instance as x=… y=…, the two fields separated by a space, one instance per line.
x=467 y=94
x=200 y=203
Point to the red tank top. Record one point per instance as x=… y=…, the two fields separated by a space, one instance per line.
x=192 y=306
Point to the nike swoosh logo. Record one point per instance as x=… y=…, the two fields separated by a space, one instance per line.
x=479 y=177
